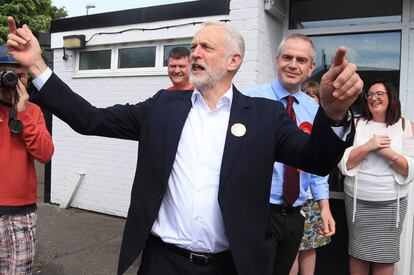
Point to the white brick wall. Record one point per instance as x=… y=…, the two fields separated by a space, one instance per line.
x=262 y=36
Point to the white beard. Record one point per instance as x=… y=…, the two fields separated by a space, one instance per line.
x=208 y=79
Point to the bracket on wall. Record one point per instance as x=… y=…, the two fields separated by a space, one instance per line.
x=65 y=56
x=73 y=42
x=276 y=8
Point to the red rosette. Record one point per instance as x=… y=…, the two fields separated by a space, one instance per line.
x=306 y=126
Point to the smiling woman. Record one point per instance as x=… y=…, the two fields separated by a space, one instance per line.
x=377 y=168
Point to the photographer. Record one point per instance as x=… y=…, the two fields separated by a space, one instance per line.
x=23 y=138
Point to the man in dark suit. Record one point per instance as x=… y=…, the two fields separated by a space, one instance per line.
x=200 y=198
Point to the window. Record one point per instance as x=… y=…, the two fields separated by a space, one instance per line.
x=328 y=13
x=140 y=57
x=377 y=56
x=168 y=48
x=373 y=53
x=95 y=60
x=147 y=58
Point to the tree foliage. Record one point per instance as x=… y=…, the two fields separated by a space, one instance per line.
x=35 y=13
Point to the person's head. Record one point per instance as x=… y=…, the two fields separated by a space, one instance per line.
x=295 y=61
x=179 y=67
x=311 y=88
x=9 y=70
x=217 y=52
x=381 y=100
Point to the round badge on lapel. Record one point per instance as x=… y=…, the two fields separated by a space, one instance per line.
x=238 y=130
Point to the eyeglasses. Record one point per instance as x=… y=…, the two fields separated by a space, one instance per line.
x=378 y=94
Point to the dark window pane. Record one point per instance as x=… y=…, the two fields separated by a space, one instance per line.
x=95 y=60
x=369 y=51
x=168 y=48
x=328 y=13
x=137 y=57
x=377 y=55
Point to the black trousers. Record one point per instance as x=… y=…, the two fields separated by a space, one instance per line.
x=160 y=259
x=287 y=228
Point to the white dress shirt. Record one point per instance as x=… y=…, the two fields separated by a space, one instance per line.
x=190 y=216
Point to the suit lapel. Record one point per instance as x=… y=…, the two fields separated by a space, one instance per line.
x=176 y=118
x=239 y=113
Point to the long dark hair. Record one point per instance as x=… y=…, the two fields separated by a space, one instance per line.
x=393 y=112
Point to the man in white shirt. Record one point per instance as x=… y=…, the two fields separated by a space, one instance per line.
x=199 y=203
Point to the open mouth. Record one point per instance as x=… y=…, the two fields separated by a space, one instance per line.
x=196 y=67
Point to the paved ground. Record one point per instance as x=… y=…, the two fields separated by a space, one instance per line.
x=77 y=242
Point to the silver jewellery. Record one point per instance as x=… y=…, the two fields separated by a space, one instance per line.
x=394 y=159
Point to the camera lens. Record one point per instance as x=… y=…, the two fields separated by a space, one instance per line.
x=9 y=79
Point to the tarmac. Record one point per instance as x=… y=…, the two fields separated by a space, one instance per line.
x=78 y=242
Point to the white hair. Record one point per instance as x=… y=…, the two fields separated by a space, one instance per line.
x=298 y=36
x=235 y=42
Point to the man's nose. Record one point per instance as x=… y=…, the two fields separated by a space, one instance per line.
x=195 y=53
x=293 y=63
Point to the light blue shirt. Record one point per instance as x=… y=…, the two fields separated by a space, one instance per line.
x=305 y=109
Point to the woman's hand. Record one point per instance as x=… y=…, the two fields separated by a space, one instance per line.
x=378 y=142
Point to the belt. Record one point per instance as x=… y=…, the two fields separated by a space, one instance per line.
x=285 y=209
x=200 y=258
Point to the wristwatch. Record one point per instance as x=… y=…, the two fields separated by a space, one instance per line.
x=344 y=122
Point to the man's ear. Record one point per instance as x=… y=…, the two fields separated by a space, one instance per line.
x=312 y=67
x=234 y=62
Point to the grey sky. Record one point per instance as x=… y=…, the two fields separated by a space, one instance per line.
x=78 y=7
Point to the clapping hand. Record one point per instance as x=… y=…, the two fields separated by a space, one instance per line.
x=378 y=142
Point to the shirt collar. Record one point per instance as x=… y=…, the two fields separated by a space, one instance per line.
x=281 y=93
x=224 y=100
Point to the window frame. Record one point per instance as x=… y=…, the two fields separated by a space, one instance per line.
x=406 y=28
x=134 y=47
x=114 y=71
x=369 y=28
x=170 y=44
x=286 y=22
x=94 y=50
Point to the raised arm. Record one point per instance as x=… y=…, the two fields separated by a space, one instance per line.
x=340 y=86
x=119 y=121
x=25 y=48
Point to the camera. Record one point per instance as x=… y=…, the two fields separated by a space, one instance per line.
x=8 y=78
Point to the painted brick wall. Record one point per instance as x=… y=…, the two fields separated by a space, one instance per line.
x=262 y=35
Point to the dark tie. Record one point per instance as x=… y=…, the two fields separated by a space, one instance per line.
x=291 y=174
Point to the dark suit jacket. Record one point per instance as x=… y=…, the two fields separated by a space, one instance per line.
x=246 y=168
